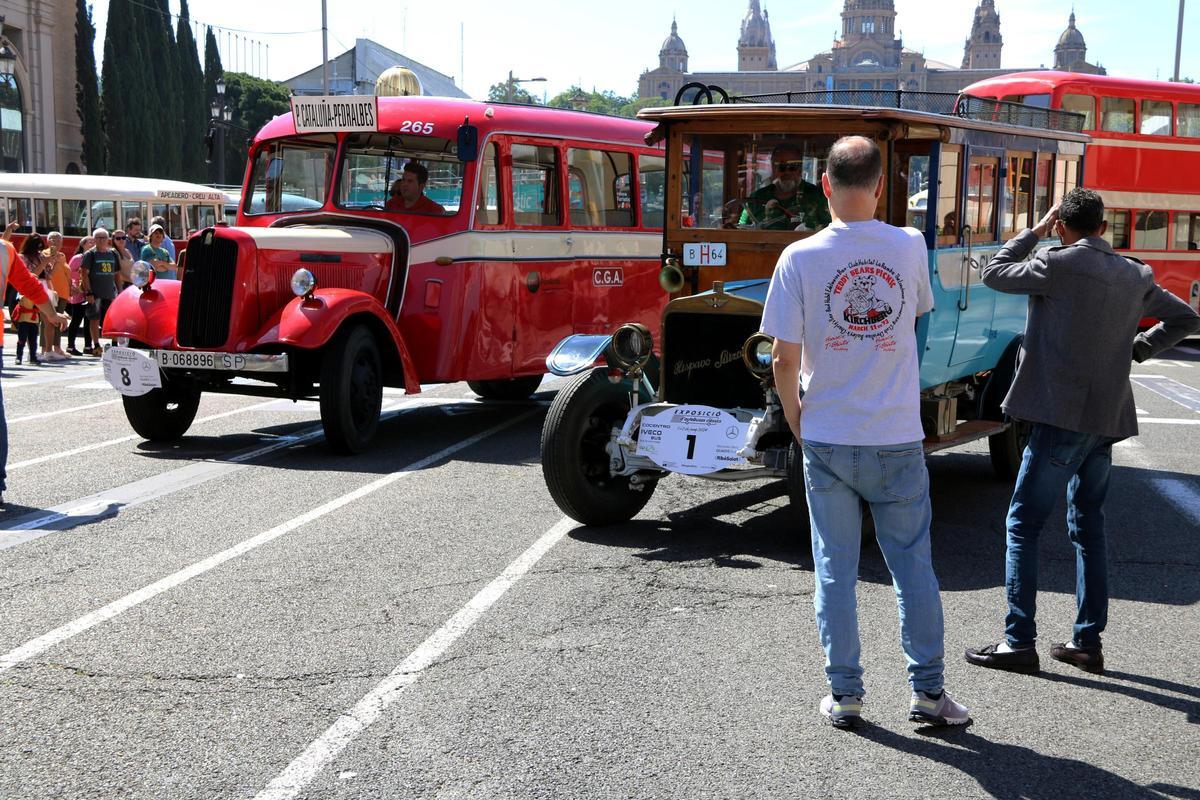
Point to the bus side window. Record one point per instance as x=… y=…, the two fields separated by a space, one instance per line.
x=1116 y=114
x=1188 y=122
x=75 y=218
x=1018 y=188
x=1081 y=104
x=1187 y=231
x=1041 y=186
x=487 y=201
x=909 y=183
x=595 y=177
x=652 y=186
x=104 y=214
x=1117 y=233
x=20 y=210
x=1151 y=230
x=948 y=190
x=129 y=210
x=1156 y=118
x=1066 y=176
x=535 y=186
x=981 y=197
x=45 y=214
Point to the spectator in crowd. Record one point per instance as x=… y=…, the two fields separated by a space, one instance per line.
x=1085 y=304
x=99 y=269
x=155 y=253
x=10 y=292
x=23 y=281
x=26 y=319
x=167 y=242
x=77 y=307
x=125 y=258
x=860 y=425
x=133 y=229
x=59 y=279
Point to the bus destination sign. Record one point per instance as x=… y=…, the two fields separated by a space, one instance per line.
x=335 y=114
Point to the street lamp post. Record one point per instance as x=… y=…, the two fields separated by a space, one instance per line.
x=510 y=86
x=222 y=115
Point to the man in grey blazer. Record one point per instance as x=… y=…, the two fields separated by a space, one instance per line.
x=1072 y=384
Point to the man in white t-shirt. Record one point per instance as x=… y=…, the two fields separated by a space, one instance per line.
x=843 y=306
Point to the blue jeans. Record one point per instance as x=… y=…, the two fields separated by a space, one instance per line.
x=1057 y=459
x=893 y=479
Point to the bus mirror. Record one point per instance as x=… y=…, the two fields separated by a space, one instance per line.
x=468 y=141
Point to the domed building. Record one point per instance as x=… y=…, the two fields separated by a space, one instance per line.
x=1070 y=54
x=868 y=55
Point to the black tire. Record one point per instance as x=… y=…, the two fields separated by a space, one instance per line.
x=351 y=390
x=163 y=415
x=1007 y=449
x=512 y=389
x=574 y=461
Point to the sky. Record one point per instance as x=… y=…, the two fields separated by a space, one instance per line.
x=606 y=46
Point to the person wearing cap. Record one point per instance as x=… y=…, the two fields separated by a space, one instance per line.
x=168 y=243
x=100 y=267
x=13 y=270
x=157 y=254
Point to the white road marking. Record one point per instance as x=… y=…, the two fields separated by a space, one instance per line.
x=91 y=385
x=1173 y=390
x=57 y=377
x=59 y=635
x=32 y=417
x=1164 y=421
x=318 y=755
x=1166 y=362
x=1182 y=495
x=1141 y=412
x=132 y=437
x=1130 y=444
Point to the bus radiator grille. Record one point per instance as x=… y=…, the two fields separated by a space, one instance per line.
x=702 y=360
x=206 y=297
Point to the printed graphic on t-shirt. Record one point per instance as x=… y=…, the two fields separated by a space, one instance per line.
x=864 y=301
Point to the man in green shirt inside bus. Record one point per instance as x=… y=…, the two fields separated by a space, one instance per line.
x=788 y=202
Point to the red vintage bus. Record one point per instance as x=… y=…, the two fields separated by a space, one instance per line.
x=396 y=241
x=1144 y=160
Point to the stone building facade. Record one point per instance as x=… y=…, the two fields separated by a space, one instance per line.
x=867 y=55
x=40 y=130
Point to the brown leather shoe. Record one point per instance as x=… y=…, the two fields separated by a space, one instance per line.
x=1088 y=659
x=1025 y=661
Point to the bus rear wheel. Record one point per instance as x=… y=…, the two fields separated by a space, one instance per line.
x=163 y=415
x=512 y=389
x=575 y=461
x=351 y=390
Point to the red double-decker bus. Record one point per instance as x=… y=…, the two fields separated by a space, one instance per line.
x=1144 y=160
x=398 y=241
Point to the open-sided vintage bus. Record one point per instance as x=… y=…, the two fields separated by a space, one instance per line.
x=967 y=184
x=528 y=224
x=1144 y=160
x=78 y=204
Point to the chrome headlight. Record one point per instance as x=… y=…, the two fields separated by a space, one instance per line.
x=304 y=283
x=142 y=274
x=632 y=345
x=757 y=354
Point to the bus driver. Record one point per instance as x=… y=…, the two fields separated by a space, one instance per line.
x=408 y=192
x=788 y=202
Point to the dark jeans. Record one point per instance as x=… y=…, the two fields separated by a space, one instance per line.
x=78 y=319
x=1054 y=460
x=27 y=332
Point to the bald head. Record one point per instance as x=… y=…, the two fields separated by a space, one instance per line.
x=854 y=163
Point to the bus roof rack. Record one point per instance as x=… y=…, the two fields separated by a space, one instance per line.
x=952 y=104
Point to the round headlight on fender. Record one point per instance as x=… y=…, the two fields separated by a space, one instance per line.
x=304 y=283
x=757 y=354
x=142 y=274
x=632 y=345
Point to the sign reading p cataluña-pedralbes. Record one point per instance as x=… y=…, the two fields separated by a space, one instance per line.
x=337 y=113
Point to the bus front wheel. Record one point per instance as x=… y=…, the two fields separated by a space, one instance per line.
x=351 y=390
x=163 y=415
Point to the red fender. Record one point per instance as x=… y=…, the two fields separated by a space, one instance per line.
x=310 y=323
x=146 y=316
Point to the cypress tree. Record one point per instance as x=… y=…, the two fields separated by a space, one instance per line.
x=162 y=94
x=212 y=72
x=127 y=37
x=115 y=92
x=87 y=90
x=193 y=103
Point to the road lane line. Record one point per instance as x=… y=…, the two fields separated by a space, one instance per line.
x=59 y=635
x=32 y=417
x=1182 y=495
x=110 y=501
x=1166 y=421
x=1173 y=390
x=1129 y=444
x=38 y=380
x=318 y=755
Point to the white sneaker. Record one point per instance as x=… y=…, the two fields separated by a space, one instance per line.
x=52 y=356
x=844 y=711
x=942 y=711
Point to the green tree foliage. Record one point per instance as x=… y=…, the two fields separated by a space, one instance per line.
x=162 y=89
x=87 y=90
x=193 y=105
x=122 y=104
x=254 y=102
x=499 y=94
x=636 y=104
x=607 y=102
x=213 y=71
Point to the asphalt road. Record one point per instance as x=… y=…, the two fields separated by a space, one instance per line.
x=245 y=615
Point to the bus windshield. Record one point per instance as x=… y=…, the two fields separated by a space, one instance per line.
x=291 y=175
x=405 y=174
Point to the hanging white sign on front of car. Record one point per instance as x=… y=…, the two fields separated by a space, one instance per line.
x=693 y=440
